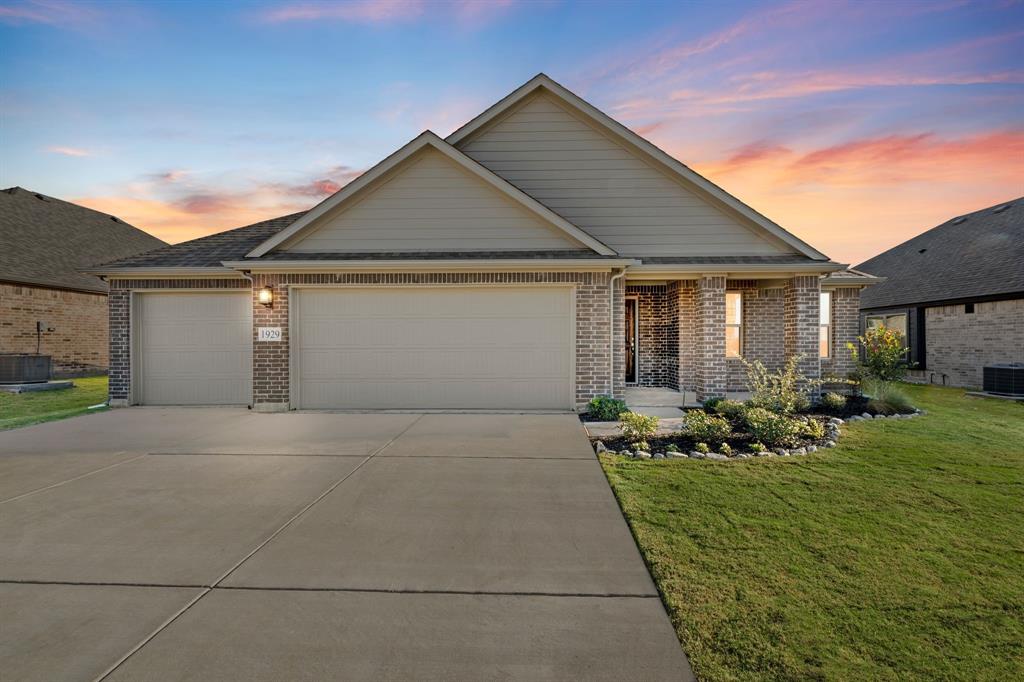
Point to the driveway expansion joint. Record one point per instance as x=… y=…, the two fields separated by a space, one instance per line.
x=74 y=478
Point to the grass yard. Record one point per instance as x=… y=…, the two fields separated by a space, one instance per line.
x=897 y=555
x=24 y=409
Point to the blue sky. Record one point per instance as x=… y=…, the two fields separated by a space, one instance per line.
x=855 y=125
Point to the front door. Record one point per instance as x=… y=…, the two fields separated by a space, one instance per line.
x=630 y=346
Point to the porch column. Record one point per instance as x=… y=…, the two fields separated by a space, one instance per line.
x=802 y=321
x=711 y=372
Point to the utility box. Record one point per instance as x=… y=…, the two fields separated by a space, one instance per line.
x=24 y=368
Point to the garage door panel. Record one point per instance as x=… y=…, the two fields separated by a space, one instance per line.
x=194 y=348
x=487 y=348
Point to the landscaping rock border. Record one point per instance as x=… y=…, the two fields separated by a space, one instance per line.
x=832 y=434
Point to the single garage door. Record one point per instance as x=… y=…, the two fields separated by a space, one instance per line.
x=433 y=348
x=193 y=348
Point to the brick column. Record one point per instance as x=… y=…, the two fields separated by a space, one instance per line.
x=119 y=312
x=270 y=359
x=802 y=321
x=617 y=338
x=845 y=328
x=711 y=372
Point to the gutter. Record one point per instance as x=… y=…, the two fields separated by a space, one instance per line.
x=407 y=265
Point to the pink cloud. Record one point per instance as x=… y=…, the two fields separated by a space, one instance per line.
x=50 y=12
x=68 y=151
x=357 y=11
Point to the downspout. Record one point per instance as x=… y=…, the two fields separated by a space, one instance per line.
x=611 y=332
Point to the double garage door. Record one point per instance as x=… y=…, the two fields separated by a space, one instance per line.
x=370 y=348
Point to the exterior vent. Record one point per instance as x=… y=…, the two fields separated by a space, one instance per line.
x=1004 y=379
x=1002 y=208
x=960 y=220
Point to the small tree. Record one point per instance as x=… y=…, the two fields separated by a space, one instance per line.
x=781 y=392
x=884 y=356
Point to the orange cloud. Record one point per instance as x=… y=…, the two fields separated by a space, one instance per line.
x=52 y=12
x=855 y=199
x=67 y=151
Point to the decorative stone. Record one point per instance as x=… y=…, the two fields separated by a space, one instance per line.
x=696 y=455
x=743 y=455
x=640 y=454
x=600 y=447
x=812 y=448
x=762 y=453
x=866 y=415
x=835 y=420
x=830 y=444
x=676 y=455
x=626 y=453
x=782 y=452
x=798 y=451
x=658 y=455
x=716 y=456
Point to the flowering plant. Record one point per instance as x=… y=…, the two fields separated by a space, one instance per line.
x=884 y=356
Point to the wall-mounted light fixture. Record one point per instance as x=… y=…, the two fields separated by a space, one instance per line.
x=266 y=296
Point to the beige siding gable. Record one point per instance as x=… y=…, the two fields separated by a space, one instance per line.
x=607 y=189
x=430 y=203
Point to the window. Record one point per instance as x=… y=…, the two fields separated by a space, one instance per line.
x=825 y=325
x=733 y=324
x=969 y=308
x=897 y=322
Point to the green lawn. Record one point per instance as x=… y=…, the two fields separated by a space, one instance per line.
x=32 y=408
x=897 y=555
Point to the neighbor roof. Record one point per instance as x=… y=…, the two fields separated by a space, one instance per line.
x=46 y=241
x=969 y=256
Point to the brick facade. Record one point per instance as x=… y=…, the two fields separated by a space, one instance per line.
x=960 y=344
x=710 y=371
x=271 y=377
x=845 y=328
x=78 y=342
x=802 y=321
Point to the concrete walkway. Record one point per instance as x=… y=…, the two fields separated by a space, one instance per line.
x=198 y=544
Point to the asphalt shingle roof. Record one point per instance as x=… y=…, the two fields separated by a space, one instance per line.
x=46 y=241
x=430 y=255
x=977 y=254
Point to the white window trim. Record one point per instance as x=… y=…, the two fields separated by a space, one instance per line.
x=828 y=327
x=738 y=325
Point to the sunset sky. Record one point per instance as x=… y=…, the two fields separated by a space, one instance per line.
x=855 y=125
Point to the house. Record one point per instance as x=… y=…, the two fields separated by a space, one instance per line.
x=46 y=303
x=957 y=293
x=539 y=256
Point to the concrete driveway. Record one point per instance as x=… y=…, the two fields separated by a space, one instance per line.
x=197 y=544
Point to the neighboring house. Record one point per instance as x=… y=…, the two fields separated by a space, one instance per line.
x=541 y=255
x=45 y=301
x=957 y=293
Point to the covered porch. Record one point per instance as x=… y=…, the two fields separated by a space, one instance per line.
x=667 y=402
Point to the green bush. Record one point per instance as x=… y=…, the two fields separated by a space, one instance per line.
x=637 y=427
x=641 y=445
x=884 y=357
x=833 y=401
x=757 y=447
x=886 y=397
x=783 y=392
x=725 y=449
x=711 y=403
x=605 y=408
x=731 y=409
x=771 y=428
x=672 y=447
x=702 y=447
x=814 y=429
x=707 y=427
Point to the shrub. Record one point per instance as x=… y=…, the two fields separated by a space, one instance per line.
x=731 y=409
x=833 y=401
x=672 y=447
x=814 y=429
x=641 y=445
x=702 y=447
x=711 y=403
x=725 y=449
x=637 y=427
x=771 y=428
x=782 y=392
x=757 y=447
x=707 y=427
x=884 y=356
x=886 y=397
x=605 y=408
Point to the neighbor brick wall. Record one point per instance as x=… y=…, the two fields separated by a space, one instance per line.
x=271 y=372
x=845 y=328
x=78 y=343
x=960 y=344
x=801 y=302
x=119 y=316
